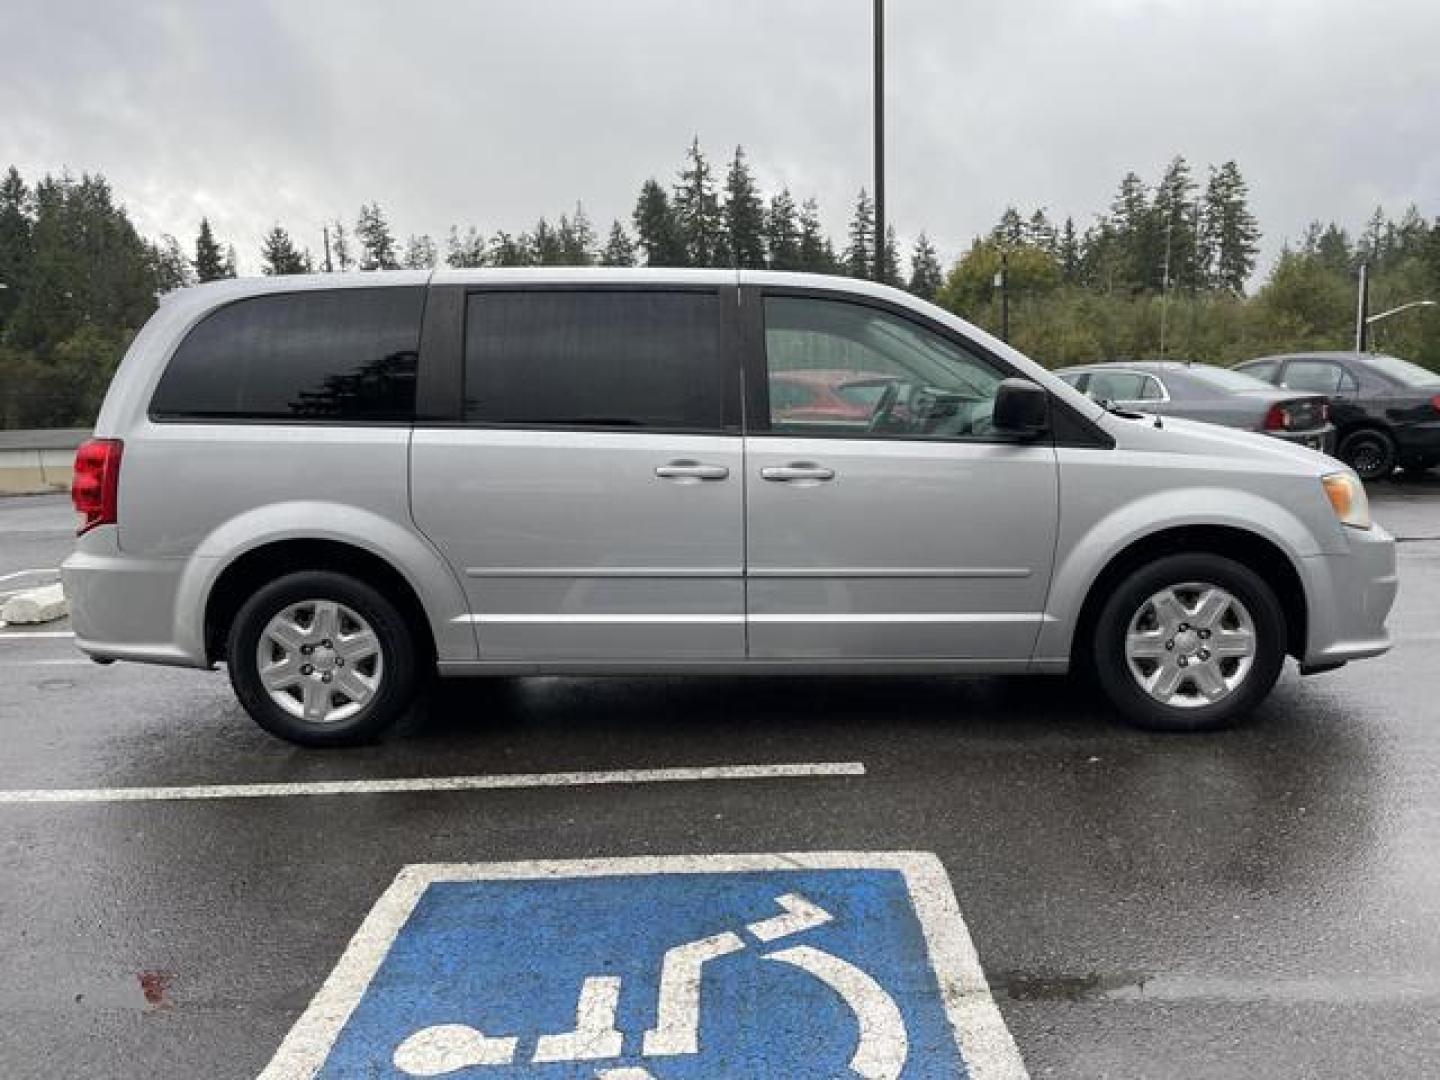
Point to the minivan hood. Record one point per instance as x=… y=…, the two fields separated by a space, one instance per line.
x=1198 y=439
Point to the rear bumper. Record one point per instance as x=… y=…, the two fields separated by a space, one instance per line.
x=1350 y=596
x=1322 y=439
x=124 y=608
x=1422 y=438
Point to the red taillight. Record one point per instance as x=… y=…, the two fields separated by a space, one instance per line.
x=1435 y=402
x=97 y=482
x=1277 y=418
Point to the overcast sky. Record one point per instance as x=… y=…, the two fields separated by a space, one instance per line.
x=494 y=112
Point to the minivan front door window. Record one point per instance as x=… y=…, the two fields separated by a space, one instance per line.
x=871 y=374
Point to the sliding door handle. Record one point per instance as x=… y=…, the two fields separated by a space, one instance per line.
x=691 y=470
x=789 y=473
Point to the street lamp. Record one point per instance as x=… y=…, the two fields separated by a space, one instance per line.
x=1364 y=320
x=1403 y=307
x=879 y=35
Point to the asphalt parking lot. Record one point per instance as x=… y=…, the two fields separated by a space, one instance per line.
x=1263 y=902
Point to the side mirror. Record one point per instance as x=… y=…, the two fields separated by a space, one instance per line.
x=1021 y=408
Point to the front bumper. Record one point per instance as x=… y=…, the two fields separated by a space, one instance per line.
x=1350 y=596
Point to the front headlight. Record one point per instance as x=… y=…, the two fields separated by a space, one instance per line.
x=1347 y=496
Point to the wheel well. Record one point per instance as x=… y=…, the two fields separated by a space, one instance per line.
x=1366 y=424
x=1253 y=551
x=255 y=568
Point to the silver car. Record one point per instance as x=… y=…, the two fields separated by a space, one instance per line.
x=1205 y=392
x=337 y=485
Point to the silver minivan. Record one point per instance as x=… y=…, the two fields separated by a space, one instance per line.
x=338 y=485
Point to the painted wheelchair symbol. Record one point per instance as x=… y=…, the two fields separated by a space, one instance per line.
x=880 y=1053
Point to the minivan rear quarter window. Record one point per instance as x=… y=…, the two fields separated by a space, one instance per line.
x=337 y=355
x=595 y=358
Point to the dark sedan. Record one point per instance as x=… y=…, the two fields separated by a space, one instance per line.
x=1205 y=392
x=1386 y=410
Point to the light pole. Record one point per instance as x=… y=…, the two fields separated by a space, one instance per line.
x=1362 y=310
x=1002 y=282
x=879 y=35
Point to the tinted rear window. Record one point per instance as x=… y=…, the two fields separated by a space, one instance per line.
x=324 y=355
x=595 y=359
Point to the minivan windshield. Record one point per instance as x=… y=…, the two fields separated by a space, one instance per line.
x=1401 y=371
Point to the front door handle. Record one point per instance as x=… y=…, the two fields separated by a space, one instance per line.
x=798 y=471
x=691 y=470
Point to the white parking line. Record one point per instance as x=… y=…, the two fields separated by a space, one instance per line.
x=24 y=573
x=32 y=635
x=492 y=782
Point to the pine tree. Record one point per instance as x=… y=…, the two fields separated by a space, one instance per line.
x=279 y=255
x=377 y=245
x=1175 y=221
x=744 y=215
x=859 y=257
x=926 y=277
x=507 y=250
x=699 y=220
x=340 y=246
x=467 y=251
x=546 y=248
x=92 y=279
x=420 y=253
x=1041 y=234
x=1068 y=253
x=170 y=266
x=656 y=228
x=16 y=242
x=816 y=254
x=1137 y=257
x=619 y=249
x=890 y=258
x=1232 y=229
x=1371 y=247
x=782 y=232
x=577 y=238
x=1009 y=232
x=210 y=263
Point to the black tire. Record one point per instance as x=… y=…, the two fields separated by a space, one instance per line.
x=1112 y=666
x=1370 y=452
x=396 y=688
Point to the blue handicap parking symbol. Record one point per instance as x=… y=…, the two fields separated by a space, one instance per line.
x=784 y=966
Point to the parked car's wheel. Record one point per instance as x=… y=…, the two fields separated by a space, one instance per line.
x=1370 y=452
x=322 y=659
x=1189 y=643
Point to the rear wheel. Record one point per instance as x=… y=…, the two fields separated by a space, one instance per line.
x=322 y=659
x=1189 y=643
x=1370 y=452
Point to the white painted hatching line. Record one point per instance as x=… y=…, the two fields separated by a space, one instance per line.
x=32 y=635
x=492 y=782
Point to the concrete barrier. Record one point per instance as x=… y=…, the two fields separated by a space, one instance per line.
x=44 y=604
x=37 y=461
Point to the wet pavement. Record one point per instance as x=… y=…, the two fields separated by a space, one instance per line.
x=1262 y=902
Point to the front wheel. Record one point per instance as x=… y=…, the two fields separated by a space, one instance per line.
x=1189 y=643
x=322 y=659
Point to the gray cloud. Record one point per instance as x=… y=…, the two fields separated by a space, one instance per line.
x=495 y=112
